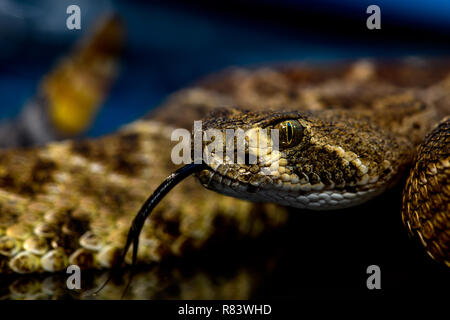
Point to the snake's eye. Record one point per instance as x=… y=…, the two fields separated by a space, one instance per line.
x=290 y=133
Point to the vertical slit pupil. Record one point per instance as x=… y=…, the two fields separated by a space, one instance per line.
x=289 y=132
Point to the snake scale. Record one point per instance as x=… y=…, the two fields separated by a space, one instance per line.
x=359 y=128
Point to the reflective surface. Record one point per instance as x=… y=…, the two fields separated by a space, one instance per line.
x=317 y=254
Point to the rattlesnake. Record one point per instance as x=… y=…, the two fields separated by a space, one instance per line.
x=72 y=202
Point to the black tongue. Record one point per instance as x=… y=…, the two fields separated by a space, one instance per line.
x=138 y=222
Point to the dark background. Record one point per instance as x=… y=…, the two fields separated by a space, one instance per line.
x=172 y=43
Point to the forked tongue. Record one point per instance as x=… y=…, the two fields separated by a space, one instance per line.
x=138 y=222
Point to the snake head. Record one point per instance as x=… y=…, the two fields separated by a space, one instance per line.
x=315 y=160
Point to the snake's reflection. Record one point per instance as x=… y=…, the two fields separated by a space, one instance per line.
x=312 y=255
x=230 y=273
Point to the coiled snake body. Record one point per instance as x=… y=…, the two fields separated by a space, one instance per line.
x=359 y=127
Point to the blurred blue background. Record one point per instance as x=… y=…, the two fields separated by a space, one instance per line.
x=171 y=44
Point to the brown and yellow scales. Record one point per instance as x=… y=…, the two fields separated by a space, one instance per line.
x=360 y=123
